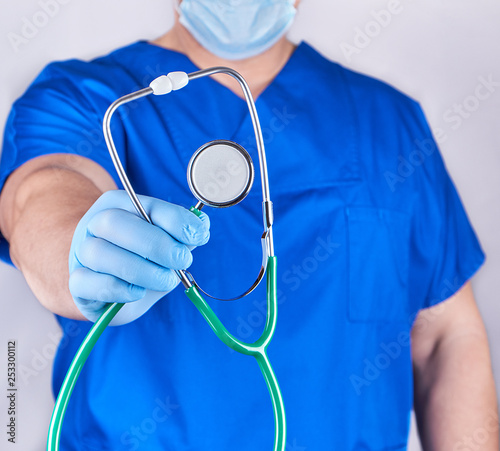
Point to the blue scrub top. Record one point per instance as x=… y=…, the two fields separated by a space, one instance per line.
x=369 y=229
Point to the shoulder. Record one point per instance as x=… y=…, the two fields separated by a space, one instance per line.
x=394 y=141
x=96 y=83
x=368 y=95
x=75 y=76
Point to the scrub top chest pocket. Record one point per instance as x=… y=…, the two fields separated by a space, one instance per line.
x=378 y=264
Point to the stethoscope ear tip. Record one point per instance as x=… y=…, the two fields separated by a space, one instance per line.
x=161 y=85
x=165 y=84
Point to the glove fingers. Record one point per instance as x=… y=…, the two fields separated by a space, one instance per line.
x=128 y=231
x=104 y=257
x=91 y=289
x=178 y=222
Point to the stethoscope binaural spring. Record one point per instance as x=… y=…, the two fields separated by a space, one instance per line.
x=234 y=175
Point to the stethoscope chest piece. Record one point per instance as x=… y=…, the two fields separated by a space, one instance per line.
x=220 y=174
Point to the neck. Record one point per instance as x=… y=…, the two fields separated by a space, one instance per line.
x=259 y=71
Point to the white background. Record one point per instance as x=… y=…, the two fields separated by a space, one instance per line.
x=433 y=50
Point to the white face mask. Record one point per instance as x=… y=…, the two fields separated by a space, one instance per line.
x=237 y=29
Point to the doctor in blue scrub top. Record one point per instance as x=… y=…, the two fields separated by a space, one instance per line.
x=376 y=253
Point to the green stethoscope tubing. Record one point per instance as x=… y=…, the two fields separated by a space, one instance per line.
x=256 y=349
x=74 y=371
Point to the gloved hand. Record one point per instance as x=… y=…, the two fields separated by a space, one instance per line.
x=116 y=256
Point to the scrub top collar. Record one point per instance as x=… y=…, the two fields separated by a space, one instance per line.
x=190 y=66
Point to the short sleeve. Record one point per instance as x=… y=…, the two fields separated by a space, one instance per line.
x=444 y=247
x=53 y=116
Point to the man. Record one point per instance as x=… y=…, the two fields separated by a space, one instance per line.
x=364 y=259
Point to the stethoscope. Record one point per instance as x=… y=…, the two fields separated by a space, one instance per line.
x=220 y=174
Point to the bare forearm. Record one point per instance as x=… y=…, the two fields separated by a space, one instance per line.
x=41 y=237
x=40 y=207
x=455 y=397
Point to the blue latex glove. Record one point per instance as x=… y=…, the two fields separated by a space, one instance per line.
x=116 y=256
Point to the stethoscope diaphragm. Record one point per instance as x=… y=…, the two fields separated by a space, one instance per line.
x=220 y=173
